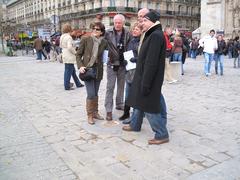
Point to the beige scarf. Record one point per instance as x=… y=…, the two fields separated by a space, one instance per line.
x=96 y=43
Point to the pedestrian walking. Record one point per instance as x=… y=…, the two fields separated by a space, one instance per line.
x=118 y=38
x=145 y=93
x=209 y=44
x=89 y=55
x=236 y=52
x=168 y=70
x=69 y=58
x=38 y=45
x=219 y=54
x=46 y=48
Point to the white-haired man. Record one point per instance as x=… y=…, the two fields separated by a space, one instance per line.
x=118 y=38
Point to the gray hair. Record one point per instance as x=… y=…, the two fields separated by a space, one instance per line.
x=119 y=16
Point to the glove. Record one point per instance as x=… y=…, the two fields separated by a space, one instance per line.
x=115 y=68
x=145 y=91
x=133 y=60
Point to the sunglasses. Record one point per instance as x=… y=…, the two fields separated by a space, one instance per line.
x=97 y=29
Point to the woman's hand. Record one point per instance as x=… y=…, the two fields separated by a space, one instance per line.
x=82 y=69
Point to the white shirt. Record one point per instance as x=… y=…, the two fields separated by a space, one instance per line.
x=209 y=44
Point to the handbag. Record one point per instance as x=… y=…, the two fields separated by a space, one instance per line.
x=89 y=74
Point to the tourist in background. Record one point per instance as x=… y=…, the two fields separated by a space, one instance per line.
x=69 y=58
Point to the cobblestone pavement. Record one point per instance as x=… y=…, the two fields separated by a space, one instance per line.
x=44 y=133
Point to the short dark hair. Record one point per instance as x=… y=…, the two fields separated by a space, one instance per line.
x=212 y=30
x=101 y=26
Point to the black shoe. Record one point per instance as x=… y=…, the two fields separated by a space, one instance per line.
x=127 y=121
x=124 y=116
x=71 y=88
x=81 y=85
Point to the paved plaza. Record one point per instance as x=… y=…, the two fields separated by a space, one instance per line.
x=44 y=134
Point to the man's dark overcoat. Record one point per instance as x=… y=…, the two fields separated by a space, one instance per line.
x=147 y=83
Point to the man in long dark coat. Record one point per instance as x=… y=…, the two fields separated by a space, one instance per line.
x=145 y=94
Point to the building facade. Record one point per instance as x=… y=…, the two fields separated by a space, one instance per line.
x=181 y=14
x=221 y=15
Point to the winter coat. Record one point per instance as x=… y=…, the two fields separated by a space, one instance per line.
x=236 y=48
x=114 y=55
x=68 y=50
x=146 y=87
x=38 y=44
x=47 y=46
x=84 y=53
x=221 y=48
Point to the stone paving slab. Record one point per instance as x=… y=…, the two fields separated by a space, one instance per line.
x=44 y=133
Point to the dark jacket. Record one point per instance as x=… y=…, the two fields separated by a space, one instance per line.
x=114 y=55
x=133 y=45
x=221 y=47
x=84 y=53
x=236 y=48
x=147 y=83
x=47 y=46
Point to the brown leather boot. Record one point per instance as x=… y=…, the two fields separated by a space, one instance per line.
x=109 y=116
x=96 y=115
x=90 y=109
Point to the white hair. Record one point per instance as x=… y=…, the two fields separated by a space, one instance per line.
x=119 y=16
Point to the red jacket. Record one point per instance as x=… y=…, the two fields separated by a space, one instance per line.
x=168 y=44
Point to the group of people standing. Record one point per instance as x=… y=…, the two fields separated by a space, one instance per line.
x=143 y=84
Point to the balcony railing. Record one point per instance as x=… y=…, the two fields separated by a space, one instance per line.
x=92 y=12
x=132 y=10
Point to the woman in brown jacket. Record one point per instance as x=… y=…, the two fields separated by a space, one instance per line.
x=90 y=54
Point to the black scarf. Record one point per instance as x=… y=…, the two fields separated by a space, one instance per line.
x=120 y=45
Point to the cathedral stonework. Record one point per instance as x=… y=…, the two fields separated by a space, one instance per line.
x=222 y=16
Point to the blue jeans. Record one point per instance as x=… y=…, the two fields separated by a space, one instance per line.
x=208 y=60
x=92 y=88
x=193 y=53
x=219 y=58
x=157 y=121
x=127 y=87
x=68 y=73
x=237 y=60
x=177 y=57
x=39 y=54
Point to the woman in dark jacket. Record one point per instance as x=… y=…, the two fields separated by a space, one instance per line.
x=236 y=49
x=89 y=55
x=133 y=45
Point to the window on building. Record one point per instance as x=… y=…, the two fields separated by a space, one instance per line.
x=112 y=3
x=92 y=5
x=157 y=6
x=76 y=1
x=149 y=3
x=111 y=21
x=188 y=10
x=179 y=9
x=139 y=4
x=126 y=3
x=100 y=3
